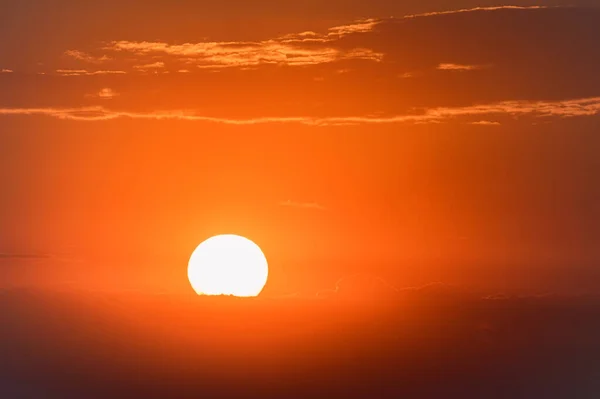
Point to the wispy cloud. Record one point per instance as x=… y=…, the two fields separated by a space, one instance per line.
x=293 y=49
x=539 y=109
x=244 y=54
x=459 y=67
x=304 y=37
x=368 y=25
x=333 y=34
x=304 y=205
x=105 y=94
x=83 y=56
x=84 y=72
x=6 y=71
x=154 y=65
x=361 y=26
x=463 y=10
x=486 y=123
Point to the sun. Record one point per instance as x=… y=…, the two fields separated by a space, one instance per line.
x=228 y=265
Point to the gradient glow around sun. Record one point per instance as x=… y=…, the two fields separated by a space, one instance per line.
x=228 y=265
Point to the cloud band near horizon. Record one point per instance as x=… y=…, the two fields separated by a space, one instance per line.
x=540 y=109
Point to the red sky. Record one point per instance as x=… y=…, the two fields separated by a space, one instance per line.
x=424 y=142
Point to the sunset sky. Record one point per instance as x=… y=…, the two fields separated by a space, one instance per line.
x=423 y=141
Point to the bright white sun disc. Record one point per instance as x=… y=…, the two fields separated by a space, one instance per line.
x=228 y=265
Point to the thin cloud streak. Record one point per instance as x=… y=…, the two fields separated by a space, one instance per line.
x=84 y=72
x=105 y=94
x=459 y=67
x=83 y=56
x=360 y=26
x=486 y=123
x=6 y=71
x=155 y=65
x=539 y=109
x=463 y=10
x=303 y=205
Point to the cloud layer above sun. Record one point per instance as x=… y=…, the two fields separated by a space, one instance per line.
x=477 y=66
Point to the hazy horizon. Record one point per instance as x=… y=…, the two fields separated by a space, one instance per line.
x=418 y=181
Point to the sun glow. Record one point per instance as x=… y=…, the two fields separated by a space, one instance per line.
x=228 y=265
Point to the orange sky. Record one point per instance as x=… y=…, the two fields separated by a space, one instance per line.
x=456 y=146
